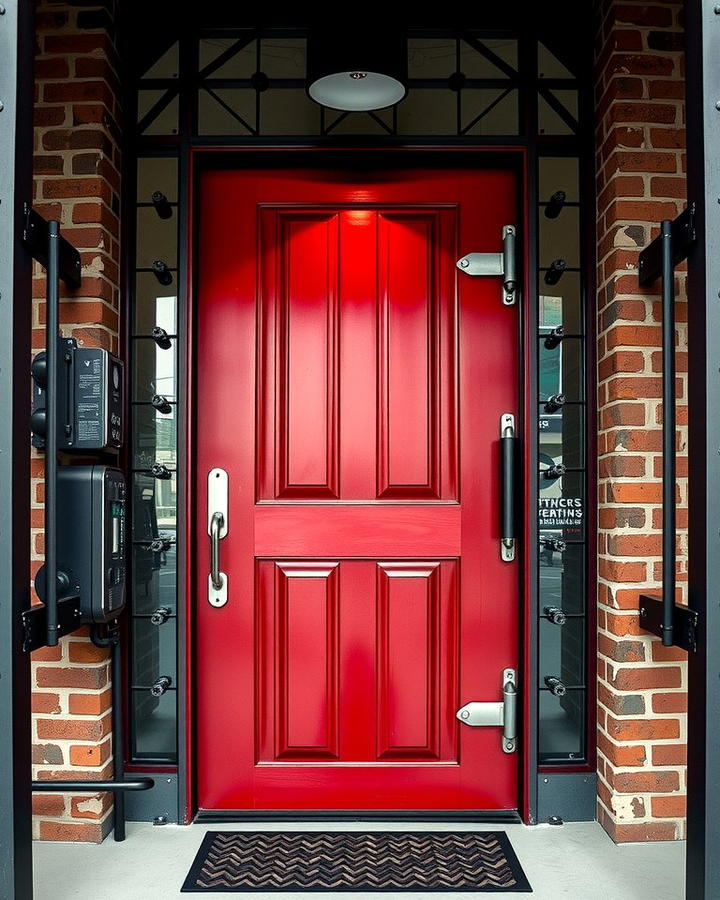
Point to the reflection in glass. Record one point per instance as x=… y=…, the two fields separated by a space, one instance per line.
x=562 y=574
x=154 y=506
x=561 y=304
x=154 y=572
x=154 y=305
x=155 y=437
x=562 y=650
x=154 y=726
x=561 y=734
x=560 y=368
x=153 y=370
x=154 y=652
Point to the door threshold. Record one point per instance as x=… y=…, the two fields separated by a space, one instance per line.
x=481 y=816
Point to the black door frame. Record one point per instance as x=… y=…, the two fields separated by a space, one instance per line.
x=16 y=145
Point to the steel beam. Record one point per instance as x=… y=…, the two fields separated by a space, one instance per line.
x=16 y=98
x=703 y=117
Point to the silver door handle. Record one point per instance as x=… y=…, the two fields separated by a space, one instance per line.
x=216 y=523
x=217 y=529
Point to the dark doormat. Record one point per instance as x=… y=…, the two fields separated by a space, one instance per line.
x=356 y=861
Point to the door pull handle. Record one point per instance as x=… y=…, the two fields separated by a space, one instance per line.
x=508 y=452
x=216 y=524
x=217 y=512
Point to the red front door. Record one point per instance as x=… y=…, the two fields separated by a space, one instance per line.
x=350 y=382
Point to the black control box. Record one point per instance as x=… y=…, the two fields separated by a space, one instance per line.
x=90 y=398
x=91 y=538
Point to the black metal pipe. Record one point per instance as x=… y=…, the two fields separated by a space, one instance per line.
x=117 y=787
x=52 y=331
x=668 y=441
x=117 y=740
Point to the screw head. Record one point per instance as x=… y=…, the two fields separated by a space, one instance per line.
x=716 y=10
x=717 y=104
x=464 y=263
x=2 y=106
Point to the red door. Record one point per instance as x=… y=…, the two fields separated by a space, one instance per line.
x=350 y=382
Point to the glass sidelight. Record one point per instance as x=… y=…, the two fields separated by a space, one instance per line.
x=562 y=478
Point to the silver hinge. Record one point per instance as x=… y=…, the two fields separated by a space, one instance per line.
x=493 y=713
x=496 y=264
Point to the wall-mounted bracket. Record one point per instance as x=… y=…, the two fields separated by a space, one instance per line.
x=494 y=264
x=684 y=621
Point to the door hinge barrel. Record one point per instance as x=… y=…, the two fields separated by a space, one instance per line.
x=493 y=713
x=493 y=264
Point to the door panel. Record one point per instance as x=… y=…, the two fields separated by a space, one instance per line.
x=351 y=385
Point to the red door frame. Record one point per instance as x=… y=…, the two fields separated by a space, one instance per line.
x=513 y=158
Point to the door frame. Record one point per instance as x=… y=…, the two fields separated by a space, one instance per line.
x=200 y=159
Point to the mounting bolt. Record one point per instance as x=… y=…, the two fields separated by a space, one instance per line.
x=717 y=10
x=2 y=106
x=2 y=10
x=465 y=263
x=555 y=820
x=160 y=820
x=717 y=104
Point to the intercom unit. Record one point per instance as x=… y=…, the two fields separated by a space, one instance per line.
x=90 y=398
x=91 y=536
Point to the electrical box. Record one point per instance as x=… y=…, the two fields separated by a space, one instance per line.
x=91 y=538
x=90 y=402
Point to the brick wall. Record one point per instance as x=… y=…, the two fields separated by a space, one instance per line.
x=642 y=687
x=77 y=181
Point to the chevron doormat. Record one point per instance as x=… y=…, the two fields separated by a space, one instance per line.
x=356 y=861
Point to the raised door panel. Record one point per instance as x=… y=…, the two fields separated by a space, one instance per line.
x=298 y=439
x=417 y=660
x=297 y=660
x=416 y=407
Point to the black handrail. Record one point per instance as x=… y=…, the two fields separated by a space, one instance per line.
x=668 y=433
x=658 y=260
x=52 y=331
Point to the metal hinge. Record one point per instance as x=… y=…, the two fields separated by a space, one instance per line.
x=496 y=264
x=496 y=713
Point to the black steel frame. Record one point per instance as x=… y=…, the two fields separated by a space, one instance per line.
x=16 y=144
x=536 y=145
x=703 y=118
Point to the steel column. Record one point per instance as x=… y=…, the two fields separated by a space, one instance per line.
x=703 y=116
x=16 y=86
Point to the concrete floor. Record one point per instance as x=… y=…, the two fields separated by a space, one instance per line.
x=575 y=861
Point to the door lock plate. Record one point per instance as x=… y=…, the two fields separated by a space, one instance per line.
x=495 y=713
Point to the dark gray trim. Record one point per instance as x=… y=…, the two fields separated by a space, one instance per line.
x=570 y=796
x=183 y=572
x=160 y=801
x=703 y=117
x=16 y=94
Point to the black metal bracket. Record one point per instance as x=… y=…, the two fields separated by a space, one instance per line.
x=35 y=238
x=682 y=237
x=658 y=260
x=685 y=621
x=35 y=622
